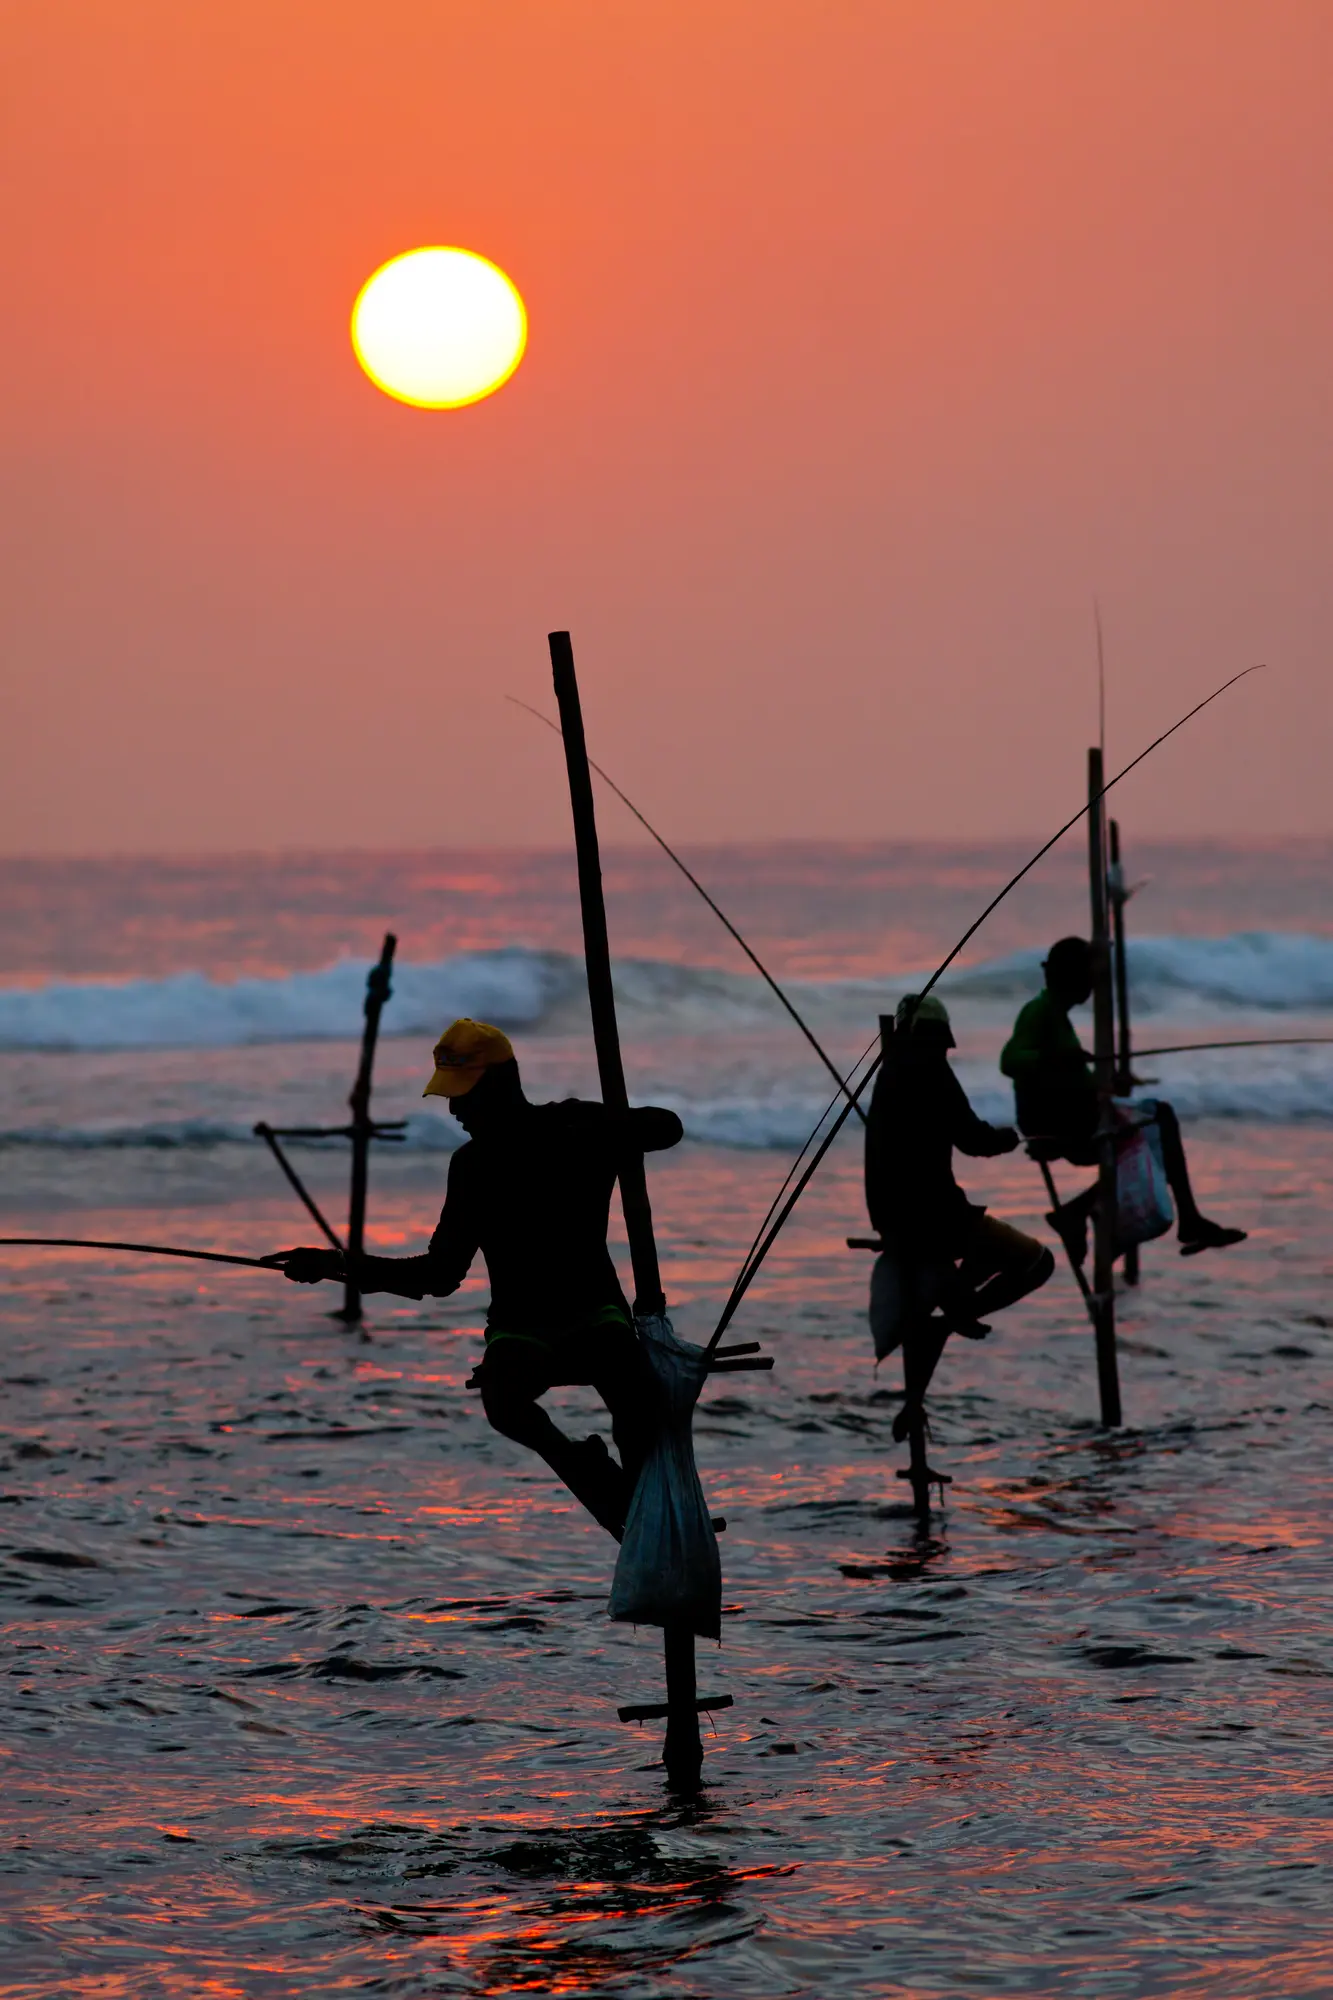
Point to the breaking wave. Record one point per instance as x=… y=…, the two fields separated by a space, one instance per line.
x=543 y=990
x=1278 y=1085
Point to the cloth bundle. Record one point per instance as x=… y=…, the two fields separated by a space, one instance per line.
x=669 y=1571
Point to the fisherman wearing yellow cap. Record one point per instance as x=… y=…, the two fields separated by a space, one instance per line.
x=941 y=1252
x=531 y=1189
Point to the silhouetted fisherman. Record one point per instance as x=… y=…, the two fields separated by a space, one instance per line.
x=1056 y=1102
x=531 y=1189
x=941 y=1251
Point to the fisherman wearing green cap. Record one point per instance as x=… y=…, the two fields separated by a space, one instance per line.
x=1058 y=1112
x=942 y=1253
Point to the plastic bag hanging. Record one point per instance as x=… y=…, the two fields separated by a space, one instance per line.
x=1144 y=1208
x=669 y=1571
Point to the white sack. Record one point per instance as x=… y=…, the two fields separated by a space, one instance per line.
x=902 y=1293
x=668 y=1571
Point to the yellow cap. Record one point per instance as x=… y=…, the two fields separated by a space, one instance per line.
x=462 y=1055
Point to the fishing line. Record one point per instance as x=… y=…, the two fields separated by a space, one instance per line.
x=746 y=1275
x=271 y=1263
x=1259 y=1042
x=843 y=1083
x=794 y=1168
x=718 y=912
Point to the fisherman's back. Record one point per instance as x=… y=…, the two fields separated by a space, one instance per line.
x=1048 y=1067
x=537 y=1191
x=533 y=1194
x=918 y=1113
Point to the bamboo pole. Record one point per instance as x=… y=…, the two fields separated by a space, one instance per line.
x=1104 y=1220
x=1118 y=896
x=378 y=990
x=648 y=1297
x=682 y=1752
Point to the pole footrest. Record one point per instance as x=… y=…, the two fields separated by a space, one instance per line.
x=657 y=1711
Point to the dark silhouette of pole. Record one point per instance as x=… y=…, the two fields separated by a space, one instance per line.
x=1118 y=896
x=716 y=908
x=648 y=1296
x=378 y=989
x=303 y=1194
x=682 y=1752
x=1080 y=1275
x=1103 y=1002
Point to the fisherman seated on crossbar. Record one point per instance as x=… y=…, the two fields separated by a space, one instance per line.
x=943 y=1255
x=531 y=1189
x=1056 y=1102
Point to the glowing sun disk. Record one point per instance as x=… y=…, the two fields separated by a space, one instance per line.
x=439 y=327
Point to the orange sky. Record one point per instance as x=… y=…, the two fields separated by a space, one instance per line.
x=868 y=340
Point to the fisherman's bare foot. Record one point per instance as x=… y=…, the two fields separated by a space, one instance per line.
x=1205 y=1235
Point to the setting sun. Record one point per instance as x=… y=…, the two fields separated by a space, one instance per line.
x=439 y=327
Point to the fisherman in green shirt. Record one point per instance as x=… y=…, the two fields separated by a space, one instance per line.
x=1056 y=1103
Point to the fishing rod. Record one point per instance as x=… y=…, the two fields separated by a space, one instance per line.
x=1257 y=1042
x=718 y=912
x=274 y=1262
x=843 y=1083
x=750 y=1268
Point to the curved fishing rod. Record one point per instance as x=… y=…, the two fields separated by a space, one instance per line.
x=795 y=1166
x=274 y=1262
x=749 y=1269
x=1256 y=1042
x=718 y=912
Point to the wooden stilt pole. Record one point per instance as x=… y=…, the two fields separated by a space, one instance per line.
x=682 y=1752
x=1118 y=896
x=377 y=992
x=918 y=1467
x=1104 y=1220
x=1080 y=1275
x=601 y=996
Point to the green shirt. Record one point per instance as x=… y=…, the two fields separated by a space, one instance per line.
x=1053 y=1087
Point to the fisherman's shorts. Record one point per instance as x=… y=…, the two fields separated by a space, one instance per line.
x=600 y=1351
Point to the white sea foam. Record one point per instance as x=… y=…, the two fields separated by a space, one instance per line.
x=1279 y=1085
x=543 y=990
x=1290 y=971
x=514 y=988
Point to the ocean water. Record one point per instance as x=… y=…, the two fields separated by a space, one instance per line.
x=309 y=1687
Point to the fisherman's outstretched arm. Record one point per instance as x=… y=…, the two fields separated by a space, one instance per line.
x=440 y=1271
x=970 y=1134
x=649 y=1128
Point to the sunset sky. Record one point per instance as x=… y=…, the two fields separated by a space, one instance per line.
x=868 y=341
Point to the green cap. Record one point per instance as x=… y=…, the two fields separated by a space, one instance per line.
x=914 y=1011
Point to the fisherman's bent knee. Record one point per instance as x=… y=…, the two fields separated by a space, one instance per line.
x=507 y=1411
